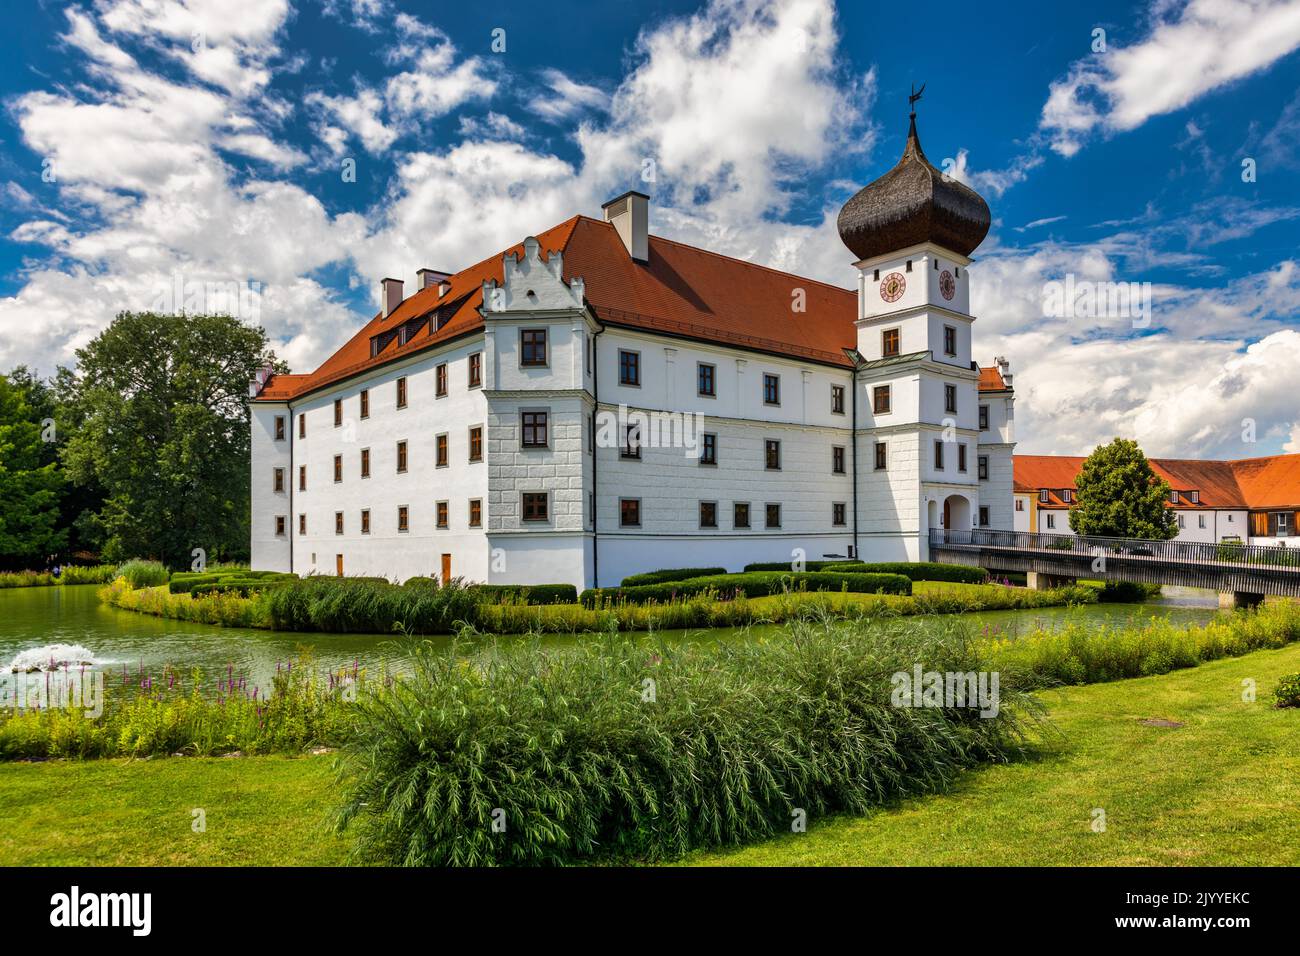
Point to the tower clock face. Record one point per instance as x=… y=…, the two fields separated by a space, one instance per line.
x=946 y=284
x=892 y=287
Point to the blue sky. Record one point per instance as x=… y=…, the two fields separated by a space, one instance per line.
x=207 y=140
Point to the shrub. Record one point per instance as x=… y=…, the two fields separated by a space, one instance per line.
x=922 y=571
x=1287 y=693
x=421 y=581
x=526 y=594
x=140 y=573
x=366 y=606
x=678 y=574
x=752 y=584
x=1126 y=592
x=739 y=737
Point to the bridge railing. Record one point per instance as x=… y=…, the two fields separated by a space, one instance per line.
x=1224 y=553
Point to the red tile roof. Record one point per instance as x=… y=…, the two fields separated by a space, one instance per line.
x=681 y=291
x=1272 y=482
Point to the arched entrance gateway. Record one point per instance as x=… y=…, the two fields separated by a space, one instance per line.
x=956 y=513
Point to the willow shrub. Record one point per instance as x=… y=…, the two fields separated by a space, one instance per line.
x=1084 y=654
x=621 y=750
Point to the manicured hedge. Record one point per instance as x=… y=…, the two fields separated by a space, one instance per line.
x=807 y=565
x=528 y=593
x=678 y=574
x=190 y=582
x=922 y=571
x=752 y=584
x=241 y=586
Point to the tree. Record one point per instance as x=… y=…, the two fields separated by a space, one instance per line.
x=160 y=405
x=1118 y=495
x=30 y=484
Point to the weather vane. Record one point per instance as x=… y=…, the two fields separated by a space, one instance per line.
x=916 y=95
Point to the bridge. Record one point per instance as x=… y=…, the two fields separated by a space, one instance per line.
x=1241 y=573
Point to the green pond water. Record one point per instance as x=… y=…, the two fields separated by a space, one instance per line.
x=37 y=624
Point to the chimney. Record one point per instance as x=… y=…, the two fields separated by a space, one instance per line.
x=392 y=295
x=427 y=277
x=630 y=216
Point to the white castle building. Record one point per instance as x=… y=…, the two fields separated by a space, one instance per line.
x=598 y=401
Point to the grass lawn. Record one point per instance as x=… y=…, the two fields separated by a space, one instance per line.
x=1221 y=789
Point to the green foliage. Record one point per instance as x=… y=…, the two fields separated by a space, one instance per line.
x=752 y=584
x=301 y=710
x=1287 y=693
x=1119 y=496
x=70 y=574
x=160 y=405
x=920 y=570
x=234 y=578
x=616 y=750
x=678 y=574
x=526 y=594
x=1127 y=592
x=141 y=573
x=1083 y=654
x=30 y=485
x=358 y=605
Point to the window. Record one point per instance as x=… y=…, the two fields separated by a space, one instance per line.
x=476 y=512
x=876 y=276
x=1200 y=521
x=1173 y=497
x=949 y=340
x=338 y=412
x=440 y=380
x=984 y=516
x=773 y=513
x=708 y=514
x=338 y=468
x=938 y=456
x=532 y=347
x=279 y=526
x=403 y=515
x=837 y=399
x=533 y=425
x=1051 y=521
x=961 y=457
x=629 y=512
x=476 y=443
x=476 y=370
x=740 y=514
x=365 y=521
x=629 y=367
x=631 y=442
x=401 y=392
x=365 y=463
x=302 y=477
x=1020 y=504
x=1182 y=521
x=302 y=425
x=839 y=514
x=440 y=513
x=1194 y=497
x=279 y=480
x=772 y=454
x=880 y=400
x=709 y=449
x=1283 y=523
x=302 y=524
x=950 y=398
x=535 y=506
x=401 y=456
x=982 y=466
x=1067 y=495
x=365 y=403
x=440 y=450
x=890 y=340
x=882 y=456
x=279 y=428
x=706 y=379
x=771 y=389
x=909 y=265
x=837 y=459
x=338 y=522
x=984 y=418
x=1045 y=496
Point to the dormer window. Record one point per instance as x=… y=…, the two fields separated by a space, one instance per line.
x=1067 y=495
x=1173 y=497
x=1194 y=497
x=1045 y=496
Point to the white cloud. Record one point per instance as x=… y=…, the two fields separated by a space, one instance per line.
x=567 y=98
x=1191 y=49
x=360 y=115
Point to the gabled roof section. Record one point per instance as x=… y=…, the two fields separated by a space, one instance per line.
x=991 y=380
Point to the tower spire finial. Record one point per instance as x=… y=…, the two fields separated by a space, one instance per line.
x=916 y=95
